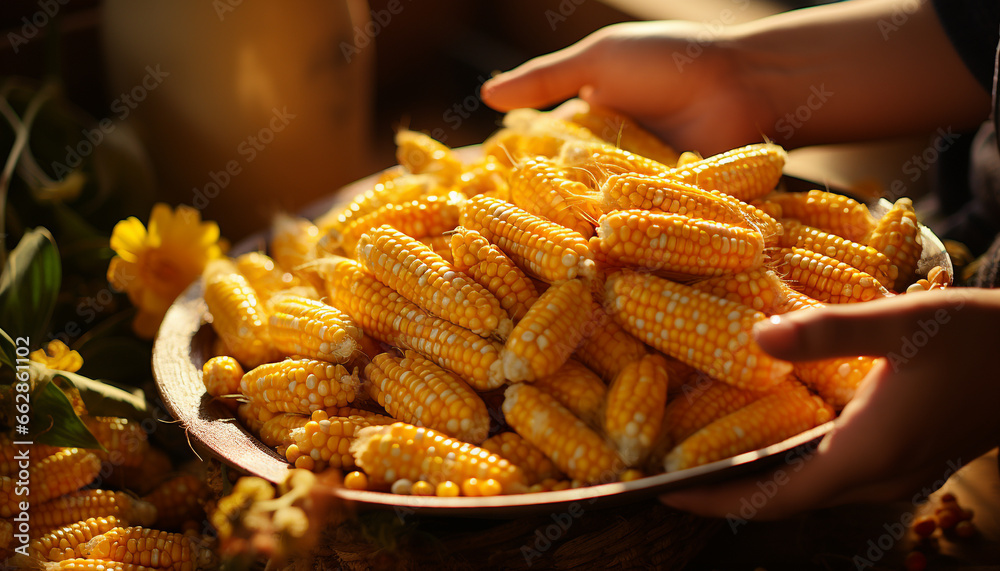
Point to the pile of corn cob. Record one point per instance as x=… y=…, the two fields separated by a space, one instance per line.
x=587 y=302
x=76 y=520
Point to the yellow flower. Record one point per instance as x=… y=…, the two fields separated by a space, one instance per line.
x=155 y=266
x=58 y=356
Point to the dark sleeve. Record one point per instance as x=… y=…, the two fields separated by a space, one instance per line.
x=974 y=29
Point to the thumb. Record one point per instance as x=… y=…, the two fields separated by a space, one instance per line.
x=541 y=81
x=872 y=328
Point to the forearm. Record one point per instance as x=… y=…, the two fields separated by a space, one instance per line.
x=856 y=70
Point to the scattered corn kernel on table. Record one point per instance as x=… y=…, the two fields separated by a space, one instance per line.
x=552 y=289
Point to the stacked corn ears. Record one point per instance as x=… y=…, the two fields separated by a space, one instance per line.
x=579 y=291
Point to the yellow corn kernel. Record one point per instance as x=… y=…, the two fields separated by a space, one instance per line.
x=83 y=504
x=781 y=414
x=148 y=547
x=356 y=481
x=83 y=564
x=677 y=244
x=302 y=327
x=707 y=332
x=387 y=316
x=415 y=390
x=485 y=263
x=635 y=405
x=421 y=154
x=65 y=471
x=423 y=277
x=541 y=188
x=300 y=386
x=177 y=500
x=576 y=449
x=252 y=415
x=757 y=288
x=828 y=211
x=400 y=450
x=544 y=249
x=577 y=388
x=826 y=279
x=221 y=376
x=688 y=157
x=865 y=258
x=700 y=404
x=430 y=215
x=277 y=431
x=607 y=347
x=294 y=241
x=440 y=245
x=792 y=300
x=549 y=332
x=239 y=318
x=897 y=235
x=623 y=132
x=523 y=454
x=124 y=440
x=61 y=543
x=747 y=172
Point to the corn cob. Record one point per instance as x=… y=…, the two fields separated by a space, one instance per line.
x=83 y=504
x=576 y=449
x=400 y=190
x=124 y=440
x=826 y=279
x=549 y=332
x=747 y=172
x=542 y=248
x=707 y=332
x=623 y=132
x=369 y=416
x=420 y=154
x=325 y=440
x=757 y=288
x=294 y=241
x=523 y=454
x=397 y=451
x=141 y=479
x=577 y=388
x=264 y=275
x=83 y=564
x=252 y=415
x=440 y=245
x=634 y=191
x=509 y=146
x=238 y=316
x=677 y=244
x=541 y=188
x=65 y=471
x=12 y=455
x=534 y=122
x=830 y=212
x=416 y=391
x=792 y=300
x=783 y=413
x=607 y=347
x=62 y=543
x=897 y=235
x=835 y=380
x=634 y=412
x=301 y=327
x=221 y=376
x=488 y=175
x=300 y=386
x=179 y=499
x=864 y=258
x=387 y=316
x=423 y=277
x=148 y=547
x=772 y=209
x=6 y=537
x=277 y=432
x=431 y=215
x=486 y=264
x=601 y=160
x=701 y=404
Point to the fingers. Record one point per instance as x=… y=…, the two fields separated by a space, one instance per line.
x=540 y=82
x=872 y=328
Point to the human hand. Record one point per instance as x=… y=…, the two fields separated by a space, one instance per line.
x=930 y=406
x=666 y=75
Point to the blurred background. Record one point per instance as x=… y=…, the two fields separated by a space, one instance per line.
x=243 y=108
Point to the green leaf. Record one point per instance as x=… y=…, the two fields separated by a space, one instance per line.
x=8 y=351
x=54 y=422
x=29 y=286
x=103 y=399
